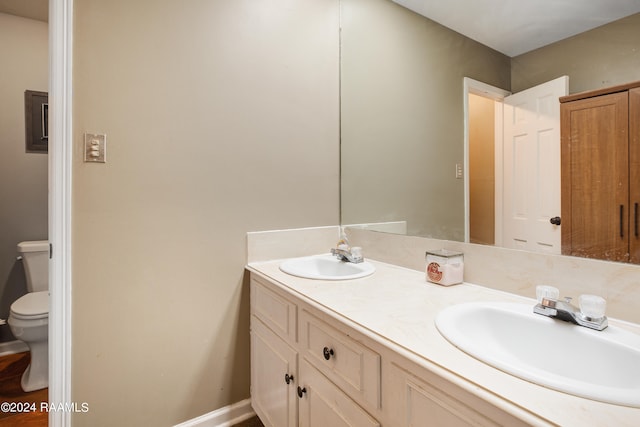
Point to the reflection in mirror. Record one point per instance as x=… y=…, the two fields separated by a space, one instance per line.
x=403 y=114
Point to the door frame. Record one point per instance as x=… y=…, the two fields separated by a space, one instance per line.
x=60 y=190
x=487 y=91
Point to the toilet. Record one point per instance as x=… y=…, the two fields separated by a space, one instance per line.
x=29 y=314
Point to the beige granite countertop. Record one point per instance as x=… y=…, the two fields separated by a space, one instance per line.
x=397 y=307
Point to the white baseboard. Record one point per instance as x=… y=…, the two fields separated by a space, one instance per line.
x=223 y=417
x=12 y=347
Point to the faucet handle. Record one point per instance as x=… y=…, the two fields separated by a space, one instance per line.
x=343 y=244
x=356 y=251
x=546 y=292
x=592 y=306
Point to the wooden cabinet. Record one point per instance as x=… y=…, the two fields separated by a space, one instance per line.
x=311 y=369
x=324 y=378
x=601 y=174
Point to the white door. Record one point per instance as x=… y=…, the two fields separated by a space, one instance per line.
x=531 y=167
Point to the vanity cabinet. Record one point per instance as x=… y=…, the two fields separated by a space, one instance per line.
x=310 y=368
x=600 y=164
x=324 y=378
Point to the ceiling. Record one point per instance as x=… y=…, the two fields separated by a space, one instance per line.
x=32 y=9
x=514 y=27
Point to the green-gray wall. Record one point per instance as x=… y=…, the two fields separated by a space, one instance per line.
x=605 y=56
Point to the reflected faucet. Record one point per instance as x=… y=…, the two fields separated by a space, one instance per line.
x=590 y=314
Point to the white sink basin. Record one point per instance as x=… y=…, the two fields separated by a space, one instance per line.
x=573 y=359
x=326 y=267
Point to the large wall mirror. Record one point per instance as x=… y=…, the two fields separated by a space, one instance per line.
x=405 y=114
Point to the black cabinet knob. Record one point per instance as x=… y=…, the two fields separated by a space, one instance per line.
x=327 y=353
x=555 y=220
x=288 y=378
x=301 y=391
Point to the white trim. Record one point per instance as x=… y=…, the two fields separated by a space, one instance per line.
x=223 y=417
x=60 y=162
x=498 y=210
x=12 y=347
x=482 y=89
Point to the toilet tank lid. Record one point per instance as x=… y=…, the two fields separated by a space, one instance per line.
x=33 y=246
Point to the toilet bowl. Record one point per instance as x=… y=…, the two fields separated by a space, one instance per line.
x=29 y=314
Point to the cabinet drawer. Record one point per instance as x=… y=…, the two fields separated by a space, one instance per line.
x=349 y=364
x=277 y=312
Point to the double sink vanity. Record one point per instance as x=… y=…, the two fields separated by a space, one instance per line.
x=375 y=344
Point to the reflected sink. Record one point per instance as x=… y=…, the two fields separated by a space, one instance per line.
x=598 y=365
x=326 y=267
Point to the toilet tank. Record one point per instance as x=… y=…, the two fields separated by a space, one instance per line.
x=35 y=259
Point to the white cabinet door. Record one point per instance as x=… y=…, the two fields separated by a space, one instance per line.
x=273 y=377
x=323 y=404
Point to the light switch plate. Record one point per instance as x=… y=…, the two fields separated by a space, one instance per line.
x=95 y=147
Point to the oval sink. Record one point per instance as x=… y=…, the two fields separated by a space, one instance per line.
x=598 y=365
x=326 y=267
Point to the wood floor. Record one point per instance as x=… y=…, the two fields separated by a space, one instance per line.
x=11 y=369
x=251 y=422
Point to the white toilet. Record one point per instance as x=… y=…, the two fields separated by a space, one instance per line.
x=29 y=315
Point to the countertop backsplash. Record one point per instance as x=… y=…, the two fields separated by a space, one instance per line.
x=509 y=270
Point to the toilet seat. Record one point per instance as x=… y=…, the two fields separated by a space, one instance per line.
x=32 y=306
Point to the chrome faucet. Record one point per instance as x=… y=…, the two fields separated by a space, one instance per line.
x=590 y=314
x=344 y=252
x=348 y=255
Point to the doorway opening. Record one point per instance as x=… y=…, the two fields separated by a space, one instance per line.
x=526 y=165
x=482 y=161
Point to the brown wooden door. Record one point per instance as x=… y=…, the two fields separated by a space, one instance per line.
x=595 y=177
x=634 y=174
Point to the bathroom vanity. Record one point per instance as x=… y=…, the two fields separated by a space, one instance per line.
x=366 y=352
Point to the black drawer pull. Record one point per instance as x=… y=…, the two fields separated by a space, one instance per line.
x=301 y=391
x=288 y=378
x=327 y=353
